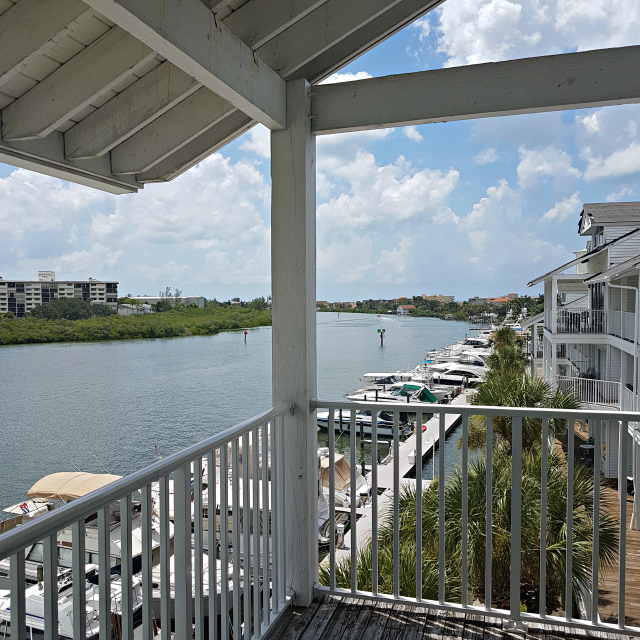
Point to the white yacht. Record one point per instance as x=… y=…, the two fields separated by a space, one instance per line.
x=401 y=392
x=458 y=375
x=34 y=605
x=65 y=487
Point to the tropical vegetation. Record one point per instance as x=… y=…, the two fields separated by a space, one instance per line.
x=183 y=321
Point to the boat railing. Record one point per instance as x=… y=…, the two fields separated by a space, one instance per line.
x=244 y=468
x=451 y=545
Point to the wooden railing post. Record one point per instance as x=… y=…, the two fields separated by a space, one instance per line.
x=293 y=273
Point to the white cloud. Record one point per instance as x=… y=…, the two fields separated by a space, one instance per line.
x=619 y=163
x=384 y=194
x=168 y=234
x=423 y=26
x=392 y=264
x=347 y=259
x=258 y=141
x=476 y=31
x=366 y=230
x=619 y=196
x=412 y=133
x=486 y=156
x=563 y=209
x=97 y=259
x=538 y=166
x=500 y=239
x=346 y=77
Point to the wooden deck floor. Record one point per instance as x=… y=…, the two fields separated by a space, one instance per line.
x=331 y=618
x=608 y=591
x=608 y=595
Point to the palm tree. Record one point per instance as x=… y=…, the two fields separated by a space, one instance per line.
x=512 y=389
x=501 y=537
x=505 y=336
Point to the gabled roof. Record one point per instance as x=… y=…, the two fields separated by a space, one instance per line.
x=608 y=214
x=616 y=271
x=407 y=306
x=583 y=258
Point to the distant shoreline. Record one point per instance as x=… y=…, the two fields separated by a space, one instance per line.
x=169 y=324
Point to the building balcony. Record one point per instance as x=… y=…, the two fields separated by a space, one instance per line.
x=622 y=325
x=452 y=554
x=604 y=393
x=577 y=320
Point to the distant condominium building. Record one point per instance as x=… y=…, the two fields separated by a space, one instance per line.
x=20 y=297
x=438 y=298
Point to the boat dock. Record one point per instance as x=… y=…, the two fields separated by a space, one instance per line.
x=407 y=468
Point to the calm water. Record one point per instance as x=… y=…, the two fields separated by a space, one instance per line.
x=106 y=406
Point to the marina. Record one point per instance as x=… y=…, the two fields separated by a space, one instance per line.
x=63 y=487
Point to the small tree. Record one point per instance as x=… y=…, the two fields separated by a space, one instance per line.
x=101 y=310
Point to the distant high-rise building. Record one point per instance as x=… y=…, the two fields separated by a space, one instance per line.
x=21 y=297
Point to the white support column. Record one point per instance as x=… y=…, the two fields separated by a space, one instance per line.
x=554 y=305
x=293 y=276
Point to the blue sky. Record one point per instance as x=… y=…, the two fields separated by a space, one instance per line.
x=463 y=208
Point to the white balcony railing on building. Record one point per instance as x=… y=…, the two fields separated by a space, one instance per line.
x=623 y=325
x=576 y=320
x=378 y=557
x=236 y=476
x=628 y=400
x=598 y=392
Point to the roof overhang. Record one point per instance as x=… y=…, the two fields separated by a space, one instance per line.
x=529 y=322
x=584 y=258
x=618 y=271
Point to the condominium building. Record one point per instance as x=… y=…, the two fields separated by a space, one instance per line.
x=586 y=340
x=20 y=297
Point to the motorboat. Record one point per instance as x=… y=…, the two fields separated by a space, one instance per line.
x=363 y=422
x=344 y=494
x=458 y=375
x=382 y=381
x=35 y=605
x=401 y=392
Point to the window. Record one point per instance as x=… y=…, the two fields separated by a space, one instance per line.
x=64 y=557
x=35 y=555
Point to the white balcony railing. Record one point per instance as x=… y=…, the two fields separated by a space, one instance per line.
x=598 y=392
x=623 y=325
x=227 y=497
x=244 y=486
x=577 y=320
x=628 y=401
x=384 y=558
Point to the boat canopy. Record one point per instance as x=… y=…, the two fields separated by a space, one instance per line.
x=69 y=485
x=342 y=472
x=427 y=396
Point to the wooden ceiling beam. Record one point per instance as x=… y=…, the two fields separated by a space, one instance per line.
x=188 y=34
x=530 y=85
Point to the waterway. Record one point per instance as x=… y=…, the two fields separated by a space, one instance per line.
x=117 y=406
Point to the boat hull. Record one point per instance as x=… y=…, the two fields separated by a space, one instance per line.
x=385 y=428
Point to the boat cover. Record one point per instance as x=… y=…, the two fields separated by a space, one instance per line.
x=342 y=472
x=69 y=485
